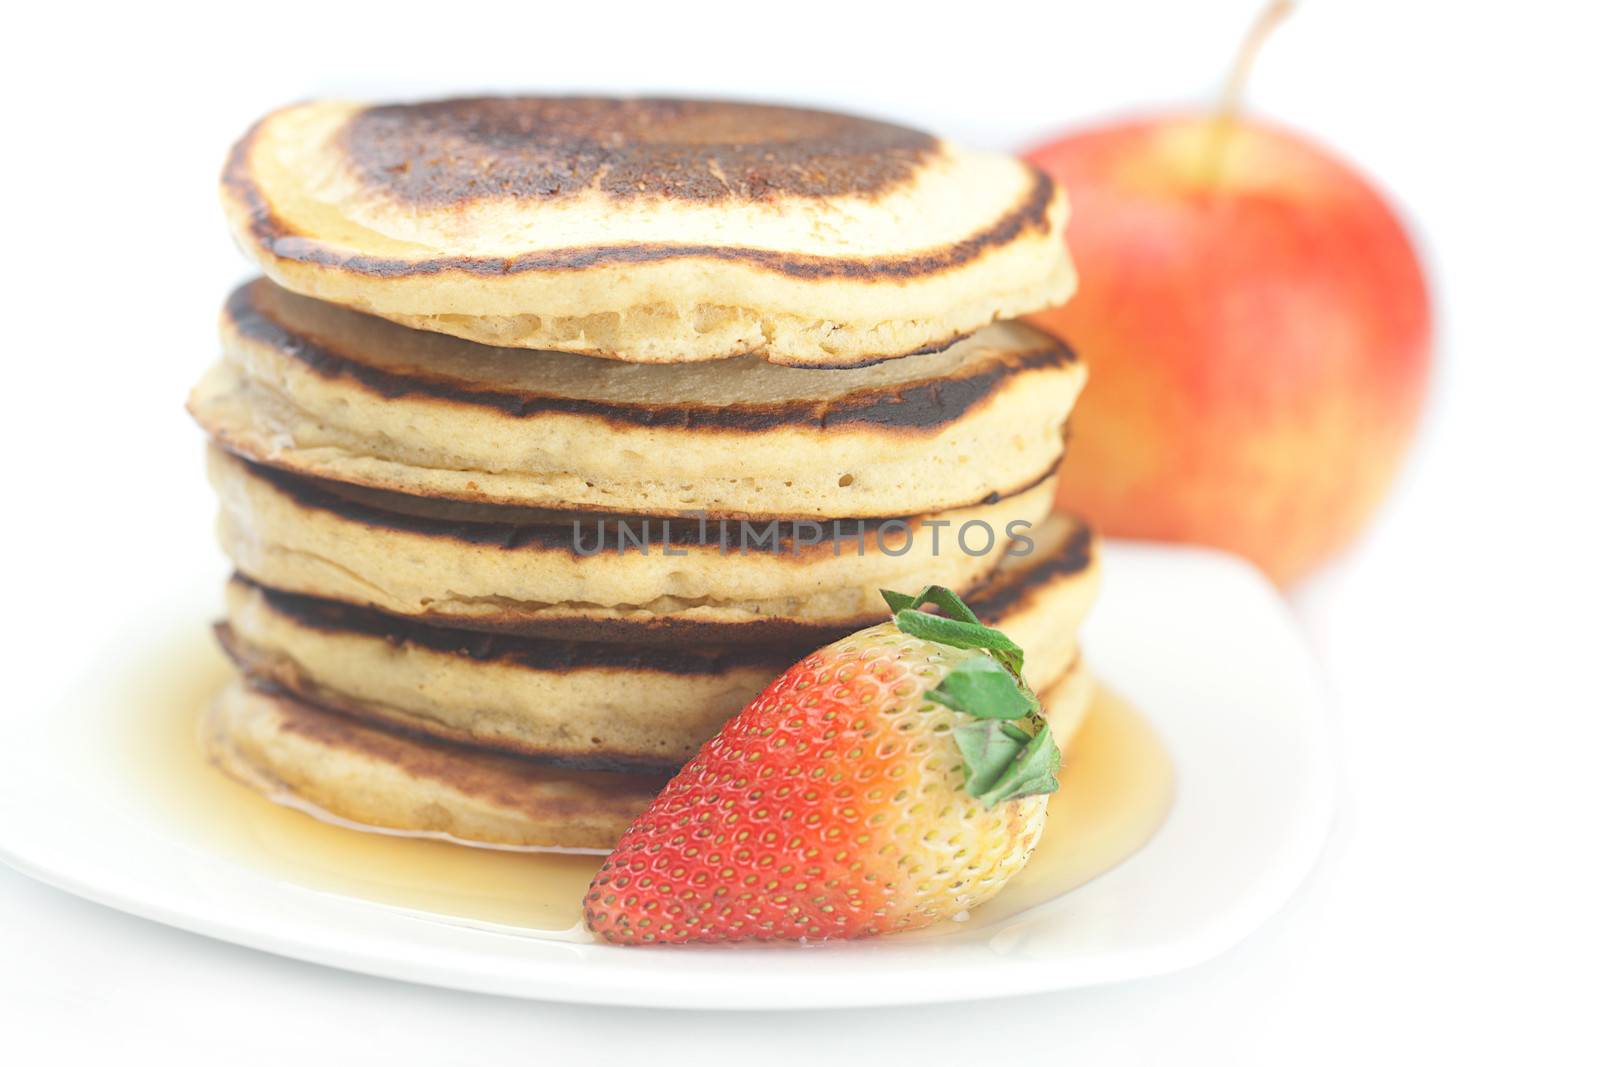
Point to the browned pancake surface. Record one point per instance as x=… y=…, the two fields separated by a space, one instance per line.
x=450 y=152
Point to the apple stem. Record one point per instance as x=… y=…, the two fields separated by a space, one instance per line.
x=1226 y=115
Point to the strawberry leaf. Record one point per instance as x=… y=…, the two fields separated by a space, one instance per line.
x=1031 y=773
x=944 y=599
x=985 y=690
x=960 y=634
x=989 y=749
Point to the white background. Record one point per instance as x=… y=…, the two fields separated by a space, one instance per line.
x=1454 y=913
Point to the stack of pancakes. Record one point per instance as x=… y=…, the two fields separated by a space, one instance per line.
x=562 y=426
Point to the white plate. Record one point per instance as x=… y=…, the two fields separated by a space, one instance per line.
x=1197 y=640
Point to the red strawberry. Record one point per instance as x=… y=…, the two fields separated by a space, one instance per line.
x=885 y=782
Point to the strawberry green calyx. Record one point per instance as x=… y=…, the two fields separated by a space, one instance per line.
x=944 y=599
x=1008 y=750
x=958 y=627
x=1004 y=762
x=984 y=689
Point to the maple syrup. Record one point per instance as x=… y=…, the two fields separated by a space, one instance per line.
x=1117 y=785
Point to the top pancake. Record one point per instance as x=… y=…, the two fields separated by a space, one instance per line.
x=648 y=230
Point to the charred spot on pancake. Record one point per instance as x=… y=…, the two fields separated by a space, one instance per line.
x=457 y=151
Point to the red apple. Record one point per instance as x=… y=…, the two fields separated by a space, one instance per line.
x=1257 y=330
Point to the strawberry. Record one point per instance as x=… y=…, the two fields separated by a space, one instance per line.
x=887 y=781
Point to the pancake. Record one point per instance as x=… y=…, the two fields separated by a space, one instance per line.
x=304 y=756
x=648 y=230
x=301 y=755
x=593 y=704
x=518 y=571
x=315 y=389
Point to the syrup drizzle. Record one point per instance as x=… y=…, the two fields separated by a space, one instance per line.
x=1117 y=785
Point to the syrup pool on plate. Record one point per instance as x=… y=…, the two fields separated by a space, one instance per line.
x=1117 y=785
